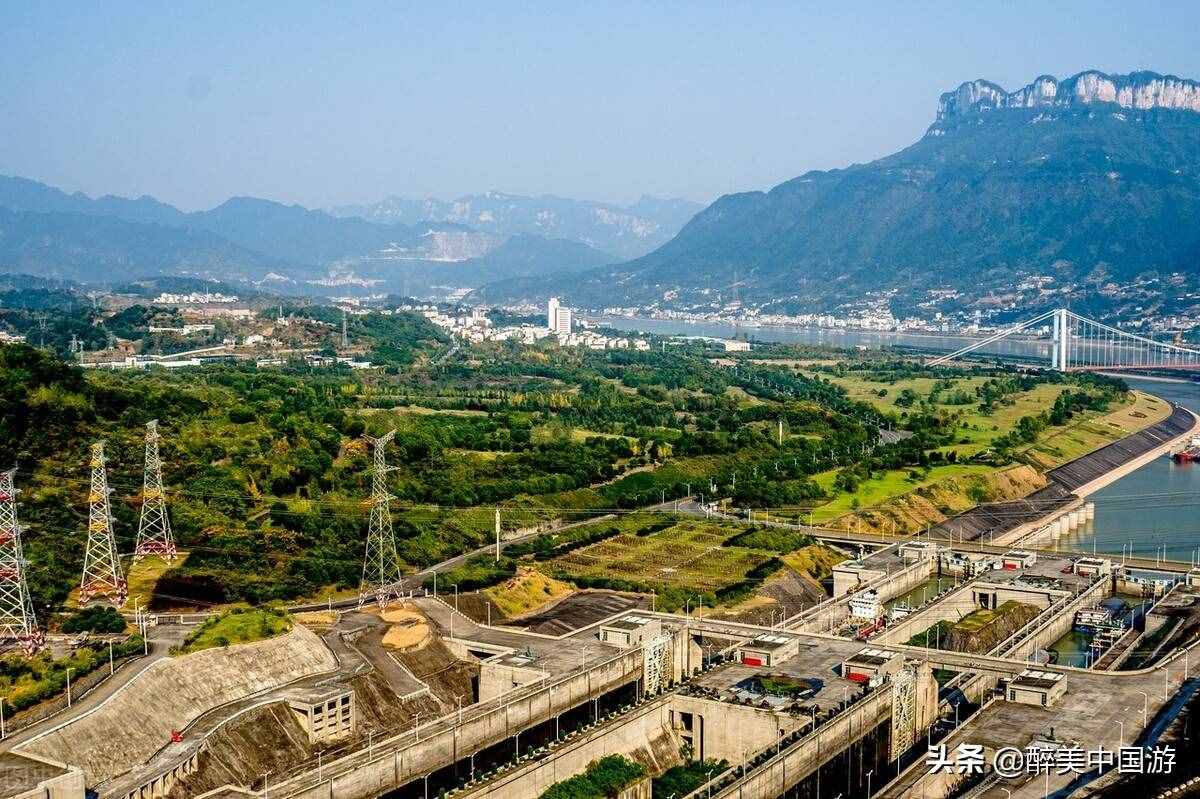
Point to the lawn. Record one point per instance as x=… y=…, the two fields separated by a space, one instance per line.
x=888 y=485
x=237 y=626
x=1083 y=435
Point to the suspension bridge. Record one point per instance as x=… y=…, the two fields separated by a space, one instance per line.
x=1079 y=344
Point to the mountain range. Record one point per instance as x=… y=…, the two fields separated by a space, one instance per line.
x=47 y=232
x=623 y=231
x=1083 y=190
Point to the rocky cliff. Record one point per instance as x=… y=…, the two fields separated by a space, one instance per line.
x=1084 y=190
x=1142 y=91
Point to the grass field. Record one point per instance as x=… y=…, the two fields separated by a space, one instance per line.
x=688 y=554
x=1061 y=444
x=238 y=626
x=888 y=485
x=977 y=429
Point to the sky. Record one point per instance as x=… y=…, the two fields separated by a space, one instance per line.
x=331 y=103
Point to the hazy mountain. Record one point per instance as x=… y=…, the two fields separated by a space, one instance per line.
x=297 y=234
x=520 y=256
x=21 y=194
x=91 y=248
x=1089 y=187
x=624 y=231
x=50 y=232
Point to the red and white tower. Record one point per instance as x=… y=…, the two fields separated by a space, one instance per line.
x=102 y=578
x=17 y=622
x=154 y=530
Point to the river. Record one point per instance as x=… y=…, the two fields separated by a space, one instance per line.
x=1020 y=348
x=1156 y=506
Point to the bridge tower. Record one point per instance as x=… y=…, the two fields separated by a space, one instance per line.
x=381 y=564
x=102 y=576
x=1059 y=349
x=17 y=622
x=154 y=528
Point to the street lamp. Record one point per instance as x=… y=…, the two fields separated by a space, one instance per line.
x=1121 y=734
x=69 y=670
x=1145 y=706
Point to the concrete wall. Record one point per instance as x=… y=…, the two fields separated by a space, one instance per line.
x=732 y=732
x=807 y=754
x=497 y=679
x=171 y=693
x=837 y=610
x=644 y=735
x=952 y=607
x=412 y=755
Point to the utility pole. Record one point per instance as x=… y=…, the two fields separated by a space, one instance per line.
x=381 y=564
x=345 y=335
x=781 y=432
x=42 y=318
x=17 y=622
x=497 y=535
x=154 y=530
x=101 y=566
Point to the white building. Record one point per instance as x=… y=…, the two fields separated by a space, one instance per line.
x=563 y=327
x=558 y=318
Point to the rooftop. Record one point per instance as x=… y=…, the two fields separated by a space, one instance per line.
x=19 y=773
x=769 y=641
x=1033 y=678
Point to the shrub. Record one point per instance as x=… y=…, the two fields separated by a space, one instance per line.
x=96 y=619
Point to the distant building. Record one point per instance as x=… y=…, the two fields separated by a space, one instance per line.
x=558 y=318
x=563 y=323
x=733 y=345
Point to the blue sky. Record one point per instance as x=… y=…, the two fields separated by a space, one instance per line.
x=329 y=103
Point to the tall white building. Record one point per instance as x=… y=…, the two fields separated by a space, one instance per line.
x=558 y=318
x=563 y=326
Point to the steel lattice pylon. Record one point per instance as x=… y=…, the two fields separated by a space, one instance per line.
x=102 y=576
x=17 y=622
x=154 y=529
x=381 y=564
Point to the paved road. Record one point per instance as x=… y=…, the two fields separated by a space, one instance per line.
x=161 y=639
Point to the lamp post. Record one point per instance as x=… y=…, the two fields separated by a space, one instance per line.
x=1120 y=734
x=69 y=670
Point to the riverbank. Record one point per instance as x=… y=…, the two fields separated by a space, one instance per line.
x=1096 y=470
x=1153 y=378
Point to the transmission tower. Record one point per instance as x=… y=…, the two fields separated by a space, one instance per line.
x=101 y=566
x=154 y=530
x=17 y=622
x=345 y=336
x=381 y=564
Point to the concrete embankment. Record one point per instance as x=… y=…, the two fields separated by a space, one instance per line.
x=137 y=720
x=1091 y=472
